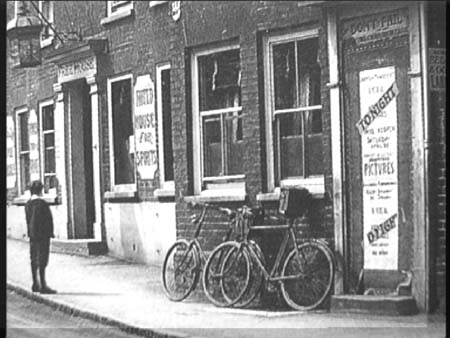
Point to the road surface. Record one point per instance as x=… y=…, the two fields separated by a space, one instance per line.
x=29 y=319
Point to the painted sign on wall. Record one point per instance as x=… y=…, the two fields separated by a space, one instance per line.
x=145 y=127
x=379 y=169
x=10 y=154
x=34 y=146
x=370 y=31
x=437 y=68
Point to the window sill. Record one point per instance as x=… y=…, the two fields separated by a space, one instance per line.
x=120 y=196
x=315 y=186
x=164 y=194
x=155 y=3
x=117 y=16
x=211 y=196
x=22 y=200
x=46 y=42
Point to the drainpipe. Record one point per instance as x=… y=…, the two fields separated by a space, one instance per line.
x=426 y=146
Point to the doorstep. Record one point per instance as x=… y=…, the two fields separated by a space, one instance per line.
x=374 y=304
x=82 y=247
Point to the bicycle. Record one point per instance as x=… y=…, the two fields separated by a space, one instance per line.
x=305 y=274
x=222 y=282
x=184 y=260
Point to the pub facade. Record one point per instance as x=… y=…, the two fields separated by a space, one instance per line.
x=165 y=102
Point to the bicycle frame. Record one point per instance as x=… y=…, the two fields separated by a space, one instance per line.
x=289 y=234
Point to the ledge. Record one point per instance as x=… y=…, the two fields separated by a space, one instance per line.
x=217 y=196
x=275 y=196
x=164 y=193
x=118 y=16
x=22 y=200
x=121 y=196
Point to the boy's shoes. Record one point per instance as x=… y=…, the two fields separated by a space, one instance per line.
x=46 y=290
x=35 y=288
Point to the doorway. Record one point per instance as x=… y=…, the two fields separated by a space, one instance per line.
x=80 y=187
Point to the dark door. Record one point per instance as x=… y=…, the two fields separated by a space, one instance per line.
x=377 y=148
x=81 y=194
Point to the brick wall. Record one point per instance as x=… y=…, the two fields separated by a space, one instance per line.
x=206 y=23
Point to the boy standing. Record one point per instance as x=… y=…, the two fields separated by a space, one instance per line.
x=40 y=230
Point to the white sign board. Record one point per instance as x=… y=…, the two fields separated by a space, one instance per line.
x=379 y=170
x=437 y=68
x=145 y=127
x=10 y=154
x=34 y=146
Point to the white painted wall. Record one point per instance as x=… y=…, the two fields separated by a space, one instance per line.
x=141 y=232
x=16 y=226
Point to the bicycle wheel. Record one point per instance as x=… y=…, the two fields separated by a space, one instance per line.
x=230 y=266
x=256 y=278
x=311 y=273
x=181 y=270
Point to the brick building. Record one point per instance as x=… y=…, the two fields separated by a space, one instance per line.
x=226 y=102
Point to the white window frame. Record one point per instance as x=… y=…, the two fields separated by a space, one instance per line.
x=155 y=3
x=165 y=185
x=315 y=183
x=123 y=8
x=18 y=149
x=225 y=189
x=48 y=41
x=42 y=105
x=132 y=187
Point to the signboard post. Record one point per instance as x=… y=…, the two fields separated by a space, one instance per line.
x=145 y=127
x=379 y=168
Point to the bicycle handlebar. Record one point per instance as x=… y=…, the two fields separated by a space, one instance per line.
x=225 y=211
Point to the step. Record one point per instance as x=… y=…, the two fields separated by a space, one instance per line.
x=82 y=247
x=374 y=304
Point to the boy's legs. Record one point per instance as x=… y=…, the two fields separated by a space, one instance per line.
x=44 y=248
x=34 y=257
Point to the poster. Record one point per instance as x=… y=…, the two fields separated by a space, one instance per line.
x=379 y=167
x=34 y=146
x=145 y=127
x=437 y=69
x=10 y=154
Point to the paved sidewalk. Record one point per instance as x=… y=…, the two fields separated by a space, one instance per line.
x=130 y=295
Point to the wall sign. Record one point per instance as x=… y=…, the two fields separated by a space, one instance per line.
x=372 y=30
x=175 y=10
x=437 y=68
x=379 y=169
x=77 y=70
x=145 y=127
x=10 y=154
x=34 y=146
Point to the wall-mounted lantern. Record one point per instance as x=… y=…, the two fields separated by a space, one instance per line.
x=24 y=35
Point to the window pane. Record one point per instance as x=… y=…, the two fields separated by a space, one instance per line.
x=50 y=182
x=122 y=129
x=284 y=75
x=47 y=118
x=314 y=149
x=24 y=172
x=23 y=123
x=212 y=147
x=235 y=144
x=49 y=166
x=219 y=80
x=49 y=140
x=309 y=72
x=291 y=145
x=167 y=125
x=315 y=121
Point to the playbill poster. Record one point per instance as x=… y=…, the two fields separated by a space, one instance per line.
x=378 y=129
